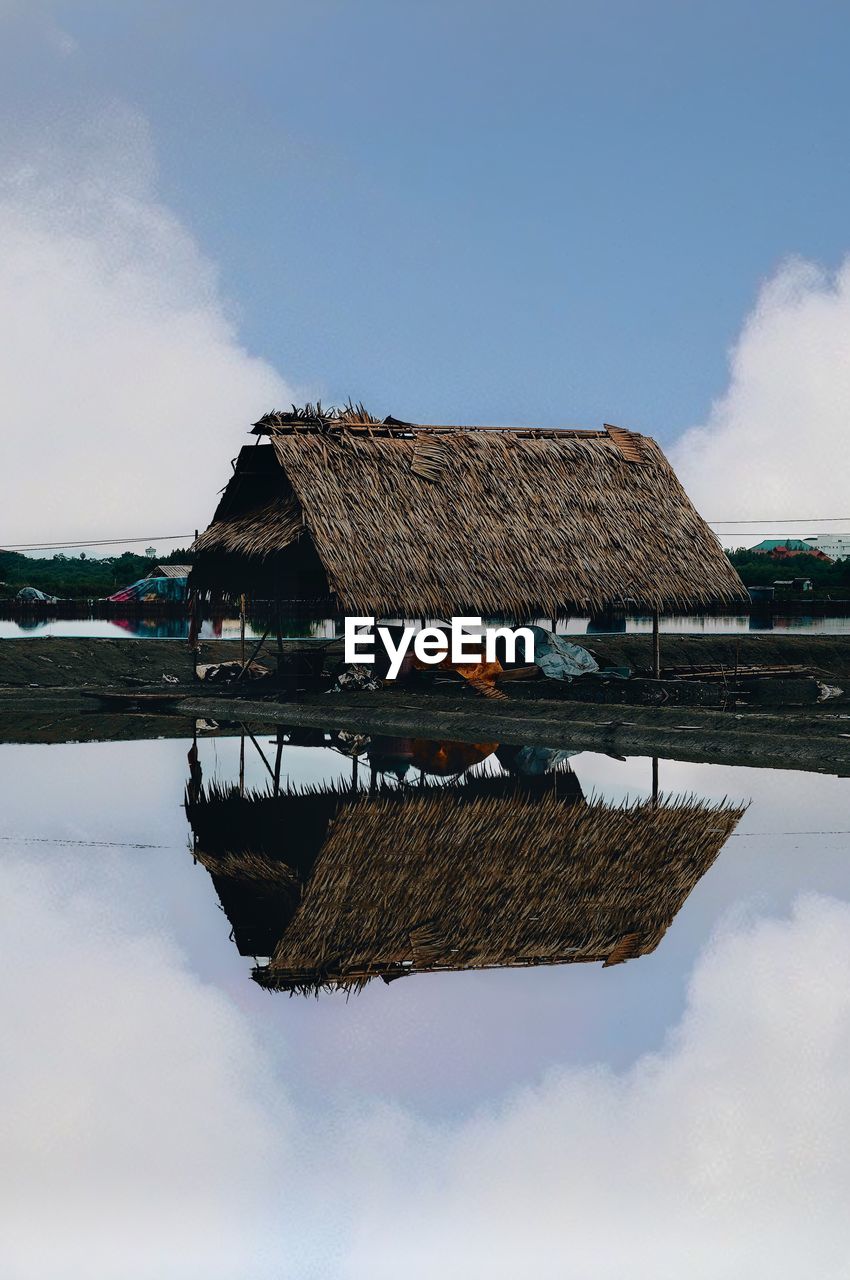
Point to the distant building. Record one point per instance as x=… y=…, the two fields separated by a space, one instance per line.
x=769 y=545
x=169 y=571
x=834 y=545
x=165 y=584
x=150 y=552
x=784 y=548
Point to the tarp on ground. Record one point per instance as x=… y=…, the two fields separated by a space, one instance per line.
x=152 y=591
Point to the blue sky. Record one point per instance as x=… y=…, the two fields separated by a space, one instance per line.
x=485 y=211
x=538 y=213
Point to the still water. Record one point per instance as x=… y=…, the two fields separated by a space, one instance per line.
x=158 y=628
x=684 y=1112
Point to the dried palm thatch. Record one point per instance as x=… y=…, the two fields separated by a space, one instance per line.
x=479 y=875
x=420 y=885
x=259 y=532
x=390 y=518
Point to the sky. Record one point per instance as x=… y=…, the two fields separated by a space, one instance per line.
x=161 y=1116
x=549 y=213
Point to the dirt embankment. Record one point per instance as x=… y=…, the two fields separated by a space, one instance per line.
x=79 y=663
x=67 y=662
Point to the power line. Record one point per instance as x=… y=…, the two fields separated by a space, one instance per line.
x=86 y=844
x=182 y=537
x=102 y=542
x=792 y=520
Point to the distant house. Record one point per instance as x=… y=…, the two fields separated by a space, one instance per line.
x=783 y=548
x=768 y=545
x=169 y=571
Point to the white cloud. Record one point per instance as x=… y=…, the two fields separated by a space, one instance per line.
x=146 y=1133
x=139 y=1120
x=777 y=443
x=723 y=1156
x=125 y=387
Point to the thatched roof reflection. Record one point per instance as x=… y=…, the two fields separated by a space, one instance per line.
x=388 y=517
x=498 y=872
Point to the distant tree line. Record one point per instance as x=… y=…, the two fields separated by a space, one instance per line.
x=78 y=577
x=757 y=569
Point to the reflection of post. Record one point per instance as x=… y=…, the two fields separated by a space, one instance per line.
x=656 y=646
x=278 y=756
x=194 y=603
x=242 y=763
x=655 y=782
x=354 y=764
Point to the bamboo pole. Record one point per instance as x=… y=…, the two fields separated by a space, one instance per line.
x=257 y=648
x=656 y=646
x=278 y=756
x=260 y=752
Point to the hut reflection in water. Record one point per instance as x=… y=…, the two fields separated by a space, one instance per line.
x=336 y=886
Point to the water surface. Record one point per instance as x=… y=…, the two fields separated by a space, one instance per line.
x=465 y=1123
x=158 y=628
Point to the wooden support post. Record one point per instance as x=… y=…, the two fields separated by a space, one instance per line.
x=261 y=753
x=242 y=627
x=257 y=647
x=656 y=646
x=195 y=629
x=655 y=782
x=354 y=766
x=278 y=756
x=242 y=763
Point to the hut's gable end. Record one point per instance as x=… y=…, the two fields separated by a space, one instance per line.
x=258 y=540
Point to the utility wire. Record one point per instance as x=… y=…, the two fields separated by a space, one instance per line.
x=794 y=520
x=182 y=537
x=103 y=542
x=87 y=844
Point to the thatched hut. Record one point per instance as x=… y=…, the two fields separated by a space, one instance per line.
x=496 y=873
x=388 y=518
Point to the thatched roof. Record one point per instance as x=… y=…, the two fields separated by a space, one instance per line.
x=390 y=518
x=170 y=571
x=442 y=878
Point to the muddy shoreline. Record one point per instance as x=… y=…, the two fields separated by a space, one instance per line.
x=46 y=687
x=79 y=663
